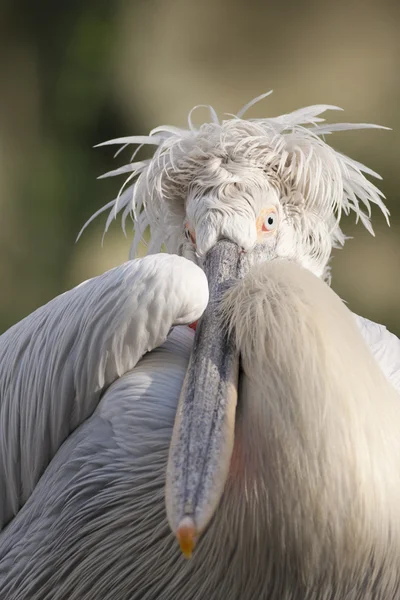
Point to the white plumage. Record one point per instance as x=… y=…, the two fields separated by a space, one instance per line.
x=56 y=364
x=233 y=162
x=90 y=383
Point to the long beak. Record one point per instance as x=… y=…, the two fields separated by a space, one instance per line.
x=202 y=439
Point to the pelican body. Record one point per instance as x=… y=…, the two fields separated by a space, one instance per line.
x=257 y=457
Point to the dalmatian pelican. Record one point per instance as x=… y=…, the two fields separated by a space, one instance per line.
x=209 y=421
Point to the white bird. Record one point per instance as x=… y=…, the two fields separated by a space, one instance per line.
x=267 y=442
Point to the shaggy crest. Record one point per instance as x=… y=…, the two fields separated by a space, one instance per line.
x=315 y=183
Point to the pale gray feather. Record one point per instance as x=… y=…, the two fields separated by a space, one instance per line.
x=95 y=526
x=56 y=363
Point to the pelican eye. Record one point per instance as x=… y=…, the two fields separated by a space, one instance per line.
x=190 y=235
x=268 y=221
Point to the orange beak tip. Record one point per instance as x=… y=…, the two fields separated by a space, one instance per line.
x=186 y=535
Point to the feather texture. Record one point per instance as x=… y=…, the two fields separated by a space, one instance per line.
x=314 y=183
x=56 y=363
x=311 y=507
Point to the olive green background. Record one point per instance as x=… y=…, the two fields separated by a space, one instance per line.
x=74 y=73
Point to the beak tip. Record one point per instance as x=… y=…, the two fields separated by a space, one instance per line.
x=186 y=535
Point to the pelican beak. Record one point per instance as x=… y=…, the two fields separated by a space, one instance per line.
x=203 y=434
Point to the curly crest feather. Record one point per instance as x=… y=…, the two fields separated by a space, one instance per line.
x=288 y=154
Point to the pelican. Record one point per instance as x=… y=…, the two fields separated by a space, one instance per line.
x=209 y=421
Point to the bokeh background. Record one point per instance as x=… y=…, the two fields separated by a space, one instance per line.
x=74 y=73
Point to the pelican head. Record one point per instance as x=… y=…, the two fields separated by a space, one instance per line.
x=231 y=196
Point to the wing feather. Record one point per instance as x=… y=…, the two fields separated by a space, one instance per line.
x=385 y=346
x=56 y=363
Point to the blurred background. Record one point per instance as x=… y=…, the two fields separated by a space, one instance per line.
x=75 y=73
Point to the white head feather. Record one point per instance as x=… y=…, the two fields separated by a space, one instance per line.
x=225 y=170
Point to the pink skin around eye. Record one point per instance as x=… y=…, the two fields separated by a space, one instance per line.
x=260 y=223
x=264 y=227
